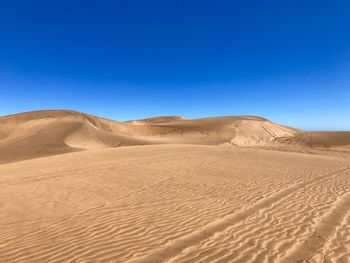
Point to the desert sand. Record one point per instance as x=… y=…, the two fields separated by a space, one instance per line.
x=80 y=188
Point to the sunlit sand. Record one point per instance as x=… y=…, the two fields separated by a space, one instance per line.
x=79 y=188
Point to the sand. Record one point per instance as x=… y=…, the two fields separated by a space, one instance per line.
x=78 y=188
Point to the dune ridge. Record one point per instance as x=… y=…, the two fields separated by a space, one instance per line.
x=43 y=133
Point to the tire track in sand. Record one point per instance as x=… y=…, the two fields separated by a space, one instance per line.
x=324 y=230
x=174 y=247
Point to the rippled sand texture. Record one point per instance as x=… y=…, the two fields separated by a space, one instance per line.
x=175 y=203
x=78 y=188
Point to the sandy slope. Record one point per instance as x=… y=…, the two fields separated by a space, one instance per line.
x=177 y=203
x=44 y=133
x=320 y=140
x=202 y=200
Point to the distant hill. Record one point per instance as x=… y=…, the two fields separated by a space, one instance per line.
x=42 y=133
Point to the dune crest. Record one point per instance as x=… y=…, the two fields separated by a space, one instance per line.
x=44 y=133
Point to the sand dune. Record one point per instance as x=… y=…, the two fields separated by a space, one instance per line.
x=318 y=140
x=203 y=190
x=44 y=133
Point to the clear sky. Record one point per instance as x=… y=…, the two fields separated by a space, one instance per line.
x=288 y=61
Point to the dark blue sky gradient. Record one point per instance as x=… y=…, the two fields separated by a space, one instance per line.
x=288 y=61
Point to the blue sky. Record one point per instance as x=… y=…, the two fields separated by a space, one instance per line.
x=288 y=61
